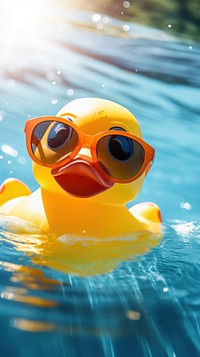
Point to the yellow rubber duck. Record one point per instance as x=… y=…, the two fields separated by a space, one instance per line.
x=89 y=161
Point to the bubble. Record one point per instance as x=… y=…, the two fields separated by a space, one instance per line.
x=58 y=72
x=7 y=149
x=165 y=290
x=169 y=25
x=126 y=4
x=96 y=17
x=186 y=205
x=70 y=92
x=190 y=47
x=126 y=28
x=54 y=83
x=54 y=101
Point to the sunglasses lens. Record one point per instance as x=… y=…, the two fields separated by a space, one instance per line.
x=53 y=141
x=121 y=157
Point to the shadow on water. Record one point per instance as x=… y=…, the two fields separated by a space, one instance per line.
x=147 y=306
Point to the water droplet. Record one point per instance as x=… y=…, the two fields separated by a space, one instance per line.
x=54 y=83
x=96 y=17
x=165 y=290
x=7 y=149
x=70 y=92
x=126 y=4
x=103 y=85
x=54 y=101
x=126 y=28
x=190 y=47
x=58 y=72
x=84 y=231
x=169 y=25
x=186 y=205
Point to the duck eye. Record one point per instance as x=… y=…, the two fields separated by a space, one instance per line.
x=121 y=147
x=59 y=135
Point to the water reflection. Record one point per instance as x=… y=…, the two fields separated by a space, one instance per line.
x=81 y=256
x=133 y=306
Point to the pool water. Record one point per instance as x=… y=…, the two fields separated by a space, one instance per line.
x=146 y=301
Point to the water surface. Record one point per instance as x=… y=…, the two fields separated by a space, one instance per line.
x=147 y=304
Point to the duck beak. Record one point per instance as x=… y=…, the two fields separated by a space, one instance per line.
x=80 y=178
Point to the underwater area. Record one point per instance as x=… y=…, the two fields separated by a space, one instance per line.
x=142 y=299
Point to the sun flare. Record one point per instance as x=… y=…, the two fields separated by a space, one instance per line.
x=22 y=18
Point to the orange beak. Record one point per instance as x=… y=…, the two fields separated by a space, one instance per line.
x=80 y=178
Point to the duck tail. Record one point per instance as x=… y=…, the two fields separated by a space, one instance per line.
x=147 y=210
x=12 y=188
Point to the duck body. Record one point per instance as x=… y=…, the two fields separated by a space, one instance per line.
x=74 y=199
x=81 y=218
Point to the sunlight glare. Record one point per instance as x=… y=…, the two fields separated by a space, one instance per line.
x=22 y=18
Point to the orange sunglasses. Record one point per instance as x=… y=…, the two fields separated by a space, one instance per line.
x=119 y=156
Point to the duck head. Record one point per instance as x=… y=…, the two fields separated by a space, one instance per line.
x=80 y=178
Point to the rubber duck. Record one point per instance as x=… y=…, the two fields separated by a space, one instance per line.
x=90 y=161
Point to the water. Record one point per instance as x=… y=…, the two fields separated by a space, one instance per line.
x=146 y=305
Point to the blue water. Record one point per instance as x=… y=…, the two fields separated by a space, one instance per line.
x=147 y=305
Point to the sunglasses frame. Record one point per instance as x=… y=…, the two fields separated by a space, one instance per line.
x=89 y=141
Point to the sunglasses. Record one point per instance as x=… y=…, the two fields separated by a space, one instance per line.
x=119 y=156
